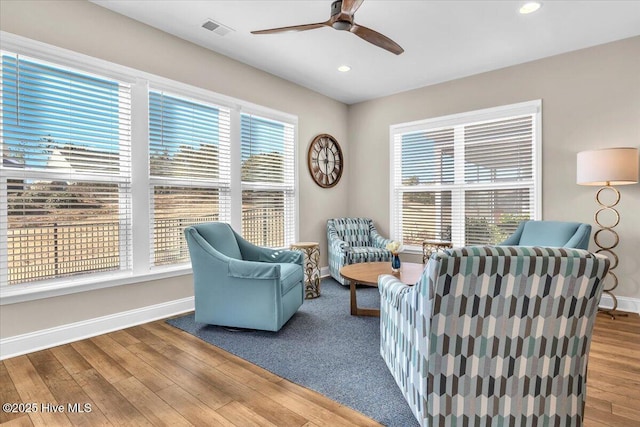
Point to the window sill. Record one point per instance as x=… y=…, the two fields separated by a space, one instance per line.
x=34 y=291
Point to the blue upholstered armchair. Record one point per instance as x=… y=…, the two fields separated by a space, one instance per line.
x=556 y=234
x=494 y=335
x=238 y=284
x=354 y=240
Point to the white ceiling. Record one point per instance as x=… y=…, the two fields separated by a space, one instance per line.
x=443 y=40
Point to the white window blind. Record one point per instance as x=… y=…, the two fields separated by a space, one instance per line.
x=66 y=163
x=189 y=160
x=426 y=162
x=467 y=179
x=268 y=181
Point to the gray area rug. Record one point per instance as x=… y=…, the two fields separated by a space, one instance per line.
x=323 y=348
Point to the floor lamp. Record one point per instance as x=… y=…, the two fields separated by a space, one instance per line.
x=606 y=168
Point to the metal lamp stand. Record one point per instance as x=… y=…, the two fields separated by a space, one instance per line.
x=608 y=249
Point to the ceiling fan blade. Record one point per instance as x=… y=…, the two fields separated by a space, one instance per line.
x=350 y=6
x=293 y=28
x=376 y=38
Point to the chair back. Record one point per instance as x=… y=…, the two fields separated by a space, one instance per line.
x=354 y=231
x=551 y=233
x=509 y=330
x=221 y=237
x=556 y=234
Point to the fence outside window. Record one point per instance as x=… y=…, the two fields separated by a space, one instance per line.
x=65 y=249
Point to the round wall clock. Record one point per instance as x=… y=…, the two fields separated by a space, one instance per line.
x=325 y=160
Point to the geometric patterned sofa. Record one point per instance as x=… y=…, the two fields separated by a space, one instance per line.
x=351 y=241
x=494 y=335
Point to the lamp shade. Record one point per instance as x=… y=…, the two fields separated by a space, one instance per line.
x=609 y=166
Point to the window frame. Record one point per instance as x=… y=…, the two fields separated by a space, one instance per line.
x=122 y=180
x=290 y=232
x=222 y=184
x=141 y=83
x=533 y=108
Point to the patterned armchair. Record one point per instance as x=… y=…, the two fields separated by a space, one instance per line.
x=351 y=241
x=494 y=335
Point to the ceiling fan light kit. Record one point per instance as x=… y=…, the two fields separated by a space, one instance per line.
x=341 y=25
x=342 y=19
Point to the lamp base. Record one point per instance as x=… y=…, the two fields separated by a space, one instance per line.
x=607 y=249
x=611 y=312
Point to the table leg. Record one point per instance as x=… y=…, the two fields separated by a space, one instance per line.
x=354 y=302
x=355 y=310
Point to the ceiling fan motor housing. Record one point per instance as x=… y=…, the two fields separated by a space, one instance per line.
x=336 y=7
x=339 y=24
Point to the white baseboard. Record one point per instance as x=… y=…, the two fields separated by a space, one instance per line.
x=324 y=271
x=630 y=305
x=51 y=337
x=47 y=338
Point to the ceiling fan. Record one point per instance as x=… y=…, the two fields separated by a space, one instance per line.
x=342 y=18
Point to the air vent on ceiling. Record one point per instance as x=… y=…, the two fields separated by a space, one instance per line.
x=216 y=27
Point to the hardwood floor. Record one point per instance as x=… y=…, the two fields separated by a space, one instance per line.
x=155 y=374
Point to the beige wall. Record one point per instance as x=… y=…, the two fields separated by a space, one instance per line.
x=92 y=30
x=590 y=99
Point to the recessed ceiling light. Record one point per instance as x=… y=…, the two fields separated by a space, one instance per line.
x=530 y=7
x=344 y=68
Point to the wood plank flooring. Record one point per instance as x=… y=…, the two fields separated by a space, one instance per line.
x=154 y=374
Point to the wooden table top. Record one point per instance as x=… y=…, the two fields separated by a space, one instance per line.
x=366 y=273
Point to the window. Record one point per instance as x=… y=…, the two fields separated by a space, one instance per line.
x=103 y=167
x=189 y=160
x=65 y=182
x=468 y=179
x=268 y=181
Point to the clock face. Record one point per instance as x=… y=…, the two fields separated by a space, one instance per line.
x=325 y=160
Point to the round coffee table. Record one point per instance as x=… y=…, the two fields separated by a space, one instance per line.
x=366 y=273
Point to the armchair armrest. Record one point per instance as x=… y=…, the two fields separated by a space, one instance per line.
x=377 y=240
x=253 y=270
x=404 y=335
x=416 y=300
x=514 y=239
x=392 y=291
x=580 y=240
x=336 y=243
x=251 y=252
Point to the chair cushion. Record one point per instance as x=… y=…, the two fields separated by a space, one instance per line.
x=290 y=275
x=358 y=254
x=547 y=233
